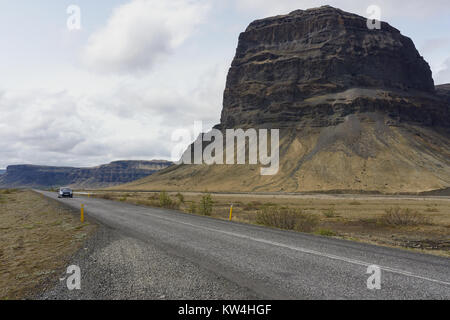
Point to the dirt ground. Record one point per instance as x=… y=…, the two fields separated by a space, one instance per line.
x=349 y=217
x=37 y=237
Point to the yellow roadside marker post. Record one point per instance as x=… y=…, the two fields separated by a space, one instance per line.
x=82 y=213
x=231 y=212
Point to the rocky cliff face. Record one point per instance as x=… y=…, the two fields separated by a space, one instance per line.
x=443 y=91
x=102 y=176
x=357 y=109
x=315 y=67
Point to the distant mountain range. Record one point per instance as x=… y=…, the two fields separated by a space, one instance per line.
x=118 y=172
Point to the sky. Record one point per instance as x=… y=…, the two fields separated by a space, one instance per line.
x=137 y=70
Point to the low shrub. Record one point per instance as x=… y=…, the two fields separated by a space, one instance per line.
x=153 y=197
x=329 y=213
x=106 y=196
x=166 y=202
x=253 y=205
x=192 y=208
x=286 y=218
x=206 y=205
x=404 y=217
x=180 y=197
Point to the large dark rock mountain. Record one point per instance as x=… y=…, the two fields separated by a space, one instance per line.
x=102 y=176
x=357 y=109
x=317 y=66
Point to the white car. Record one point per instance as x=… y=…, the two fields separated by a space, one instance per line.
x=65 y=193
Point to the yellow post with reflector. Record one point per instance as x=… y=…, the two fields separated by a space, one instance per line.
x=82 y=213
x=231 y=213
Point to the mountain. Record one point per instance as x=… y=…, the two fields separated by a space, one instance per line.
x=357 y=109
x=102 y=176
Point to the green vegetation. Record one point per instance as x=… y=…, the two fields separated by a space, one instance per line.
x=206 y=205
x=166 y=202
x=180 y=197
x=329 y=213
x=326 y=233
x=192 y=208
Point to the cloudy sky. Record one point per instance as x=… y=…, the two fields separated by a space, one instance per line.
x=139 y=69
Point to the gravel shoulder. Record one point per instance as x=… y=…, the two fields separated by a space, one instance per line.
x=117 y=266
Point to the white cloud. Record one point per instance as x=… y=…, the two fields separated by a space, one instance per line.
x=127 y=121
x=84 y=119
x=389 y=8
x=141 y=33
x=435 y=51
x=443 y=76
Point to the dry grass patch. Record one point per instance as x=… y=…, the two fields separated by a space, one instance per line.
x=286 y=218
x=37 y=237
x=330 y=212
x=106 y=196
x=404 y=217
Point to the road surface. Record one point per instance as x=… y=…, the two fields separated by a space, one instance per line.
x=243 y=261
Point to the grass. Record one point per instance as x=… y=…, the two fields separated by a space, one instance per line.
x=325 y=233
x=38 y=235
x=192 y=208
x=404 y=217
x=8 y=191
x=286 y=218
x=106 y=196
x=253 y=205
x=330 y=212
x=180 y=197
x=166 y=202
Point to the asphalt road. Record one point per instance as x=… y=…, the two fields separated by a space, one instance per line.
x=189 y=256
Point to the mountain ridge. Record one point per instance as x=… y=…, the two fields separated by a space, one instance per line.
x=107 y=175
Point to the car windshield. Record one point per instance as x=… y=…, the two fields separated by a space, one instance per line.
x=65 y=190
